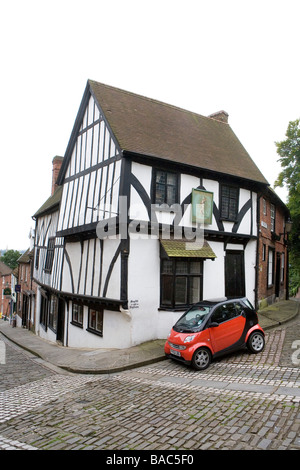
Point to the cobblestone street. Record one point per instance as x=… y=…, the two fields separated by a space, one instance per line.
x=243 y=401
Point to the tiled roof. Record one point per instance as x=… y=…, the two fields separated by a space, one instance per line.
x=25 y=257
x=4 y=269
x=189 y=249
x=149 y=127
x=51 y=203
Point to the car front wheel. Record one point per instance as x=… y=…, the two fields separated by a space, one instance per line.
x=256 y=342
x=201 y=359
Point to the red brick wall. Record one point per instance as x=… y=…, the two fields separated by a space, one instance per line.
x=5 y=281
x=56 y=165
x=266 y=291
x=27 y=284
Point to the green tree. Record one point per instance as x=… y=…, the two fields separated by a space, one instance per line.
x=10 y=258
x=289 y=152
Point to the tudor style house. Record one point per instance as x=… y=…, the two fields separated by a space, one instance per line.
x=155 y=208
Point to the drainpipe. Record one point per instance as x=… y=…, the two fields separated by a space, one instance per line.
x=34 y=326
x=67 y=328
x=287 y=276
x=257 y=251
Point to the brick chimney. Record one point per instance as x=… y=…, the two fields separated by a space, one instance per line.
x=56 y=164
x=220 y=116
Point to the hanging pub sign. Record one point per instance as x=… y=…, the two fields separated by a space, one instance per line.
x=202 y=206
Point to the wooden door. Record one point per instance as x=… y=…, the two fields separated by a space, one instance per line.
x=234 y=274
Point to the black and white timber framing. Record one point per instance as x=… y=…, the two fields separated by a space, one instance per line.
x=122 y=278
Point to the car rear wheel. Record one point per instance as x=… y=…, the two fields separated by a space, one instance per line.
x=256 y=342
x=201 y=359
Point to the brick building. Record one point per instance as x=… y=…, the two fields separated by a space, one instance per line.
x=5 y=280
x=26 y=296
x=274 y=226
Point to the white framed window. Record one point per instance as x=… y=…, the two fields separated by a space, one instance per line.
x=77 y=314
x=282 y=267
x=95 y=321
x=270 y=267
x=264 y=207
x=272 y=218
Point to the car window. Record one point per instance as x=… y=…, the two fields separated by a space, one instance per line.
x=248 y=304
x=239 y=308
x=224 y=312
x=193 y=318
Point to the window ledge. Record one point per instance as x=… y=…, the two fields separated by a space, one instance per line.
x=173 y=309
x=95 y=332
x=79 y=325
x=164 y=207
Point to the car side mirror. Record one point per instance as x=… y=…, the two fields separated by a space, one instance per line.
x=214 y=324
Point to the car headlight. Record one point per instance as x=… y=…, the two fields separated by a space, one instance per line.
x=188 y=339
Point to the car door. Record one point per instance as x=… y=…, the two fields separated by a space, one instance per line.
x=231 y=323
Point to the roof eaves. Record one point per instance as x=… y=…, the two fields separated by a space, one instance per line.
x=4 y=269
x=273 y=196
x=212 y=173
x=51 y=204
x=25 y=257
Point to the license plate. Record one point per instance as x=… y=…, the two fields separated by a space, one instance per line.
x=175 y=353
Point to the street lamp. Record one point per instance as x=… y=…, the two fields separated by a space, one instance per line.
x=287 y=230
x=288 y=226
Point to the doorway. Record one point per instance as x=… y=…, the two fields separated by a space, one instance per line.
x=234 y=274
x=277 y=275
x=25 y=309
x=60 y=321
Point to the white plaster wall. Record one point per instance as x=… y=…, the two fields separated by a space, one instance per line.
x=143 y=174
x=165 y=322
x=250 y=263
x=74 y=252
x=244 y=197
x=245 y=225
x=49 y=335
x=214 y=273
x=137 y=209
x=116 y=332
x=109 y=248
x=148 y=321
x=187 y=183
x=144 y=288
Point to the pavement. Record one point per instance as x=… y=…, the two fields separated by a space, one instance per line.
x=105 y=361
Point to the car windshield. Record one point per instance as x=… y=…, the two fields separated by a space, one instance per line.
x=193 y=319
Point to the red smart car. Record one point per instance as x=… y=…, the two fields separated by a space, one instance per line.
x=210 y=329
